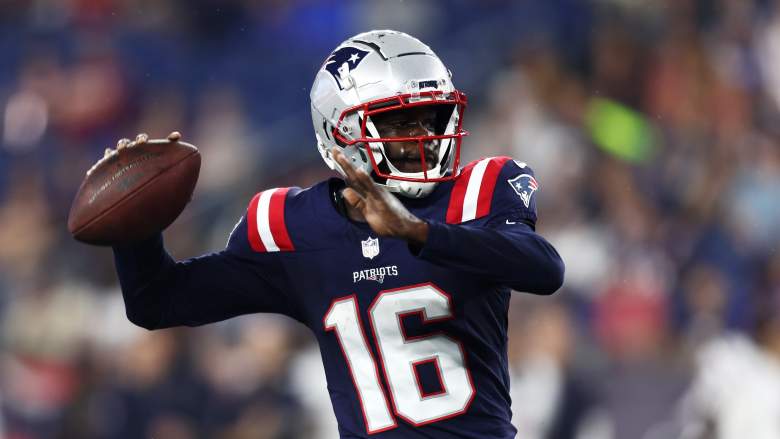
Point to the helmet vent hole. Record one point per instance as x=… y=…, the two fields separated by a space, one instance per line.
x=374 y=46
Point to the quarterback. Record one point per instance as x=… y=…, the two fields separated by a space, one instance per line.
x=402 y=268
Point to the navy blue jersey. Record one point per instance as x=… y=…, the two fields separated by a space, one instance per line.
x=413 y=339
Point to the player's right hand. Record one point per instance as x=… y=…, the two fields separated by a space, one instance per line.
x=135 y=190
x=123 y=143
x=139 y=139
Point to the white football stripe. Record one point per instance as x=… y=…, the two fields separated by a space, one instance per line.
x=472 y=191
x=263 y=221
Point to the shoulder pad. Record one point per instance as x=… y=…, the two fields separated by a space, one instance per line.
x=266 y=225
x=472 y=193
x=516 y=196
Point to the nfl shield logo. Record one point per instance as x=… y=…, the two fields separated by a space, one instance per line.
x=370 y=247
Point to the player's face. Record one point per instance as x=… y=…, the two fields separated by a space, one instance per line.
x=410 y=122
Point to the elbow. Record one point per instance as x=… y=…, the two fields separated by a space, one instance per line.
x=554 y=277
x=548 y=277
x=142 y=310
x=554 y=270
x=142 y=319
x=542 y=267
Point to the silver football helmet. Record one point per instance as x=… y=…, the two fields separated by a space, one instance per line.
x=377 y=72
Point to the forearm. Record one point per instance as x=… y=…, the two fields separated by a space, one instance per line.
x=160 y=292
x=516 y=257
x=142 y=268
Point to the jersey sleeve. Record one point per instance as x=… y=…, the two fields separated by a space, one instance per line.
x=503 y=246
x=493 y=187
x=514 y=199
x=160 y=292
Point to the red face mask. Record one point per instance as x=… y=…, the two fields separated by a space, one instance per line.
x=396 y=126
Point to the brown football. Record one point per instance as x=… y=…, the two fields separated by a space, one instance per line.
x=135 y=192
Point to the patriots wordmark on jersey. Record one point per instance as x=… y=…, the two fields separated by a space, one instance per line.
x=413 y=340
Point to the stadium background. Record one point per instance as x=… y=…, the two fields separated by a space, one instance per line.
x=652 y=127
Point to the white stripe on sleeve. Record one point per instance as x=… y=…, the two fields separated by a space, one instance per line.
x=263 y=221
x=472 y=191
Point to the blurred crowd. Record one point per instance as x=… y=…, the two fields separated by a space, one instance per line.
x=653 y=128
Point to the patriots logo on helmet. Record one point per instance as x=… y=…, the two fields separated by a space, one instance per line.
x=342 y=61
x=525 y=185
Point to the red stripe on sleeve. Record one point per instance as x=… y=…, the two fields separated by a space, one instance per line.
x=251 y=225
x=458 y=195
x=489 y=185
x=276 y=220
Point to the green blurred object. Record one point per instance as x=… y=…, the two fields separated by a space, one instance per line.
x=620 y=131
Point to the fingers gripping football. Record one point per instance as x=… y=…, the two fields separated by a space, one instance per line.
x=135 y=190
x=142 y=138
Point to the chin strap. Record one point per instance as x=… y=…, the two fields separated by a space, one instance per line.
x=412 y=189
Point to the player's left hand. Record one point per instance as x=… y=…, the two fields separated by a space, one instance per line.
x=381 y=209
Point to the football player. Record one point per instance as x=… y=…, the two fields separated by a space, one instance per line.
x=402 y=268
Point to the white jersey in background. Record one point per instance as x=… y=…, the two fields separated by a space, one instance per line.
x=735 y=393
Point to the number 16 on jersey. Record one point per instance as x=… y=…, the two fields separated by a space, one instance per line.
x=400 y=355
